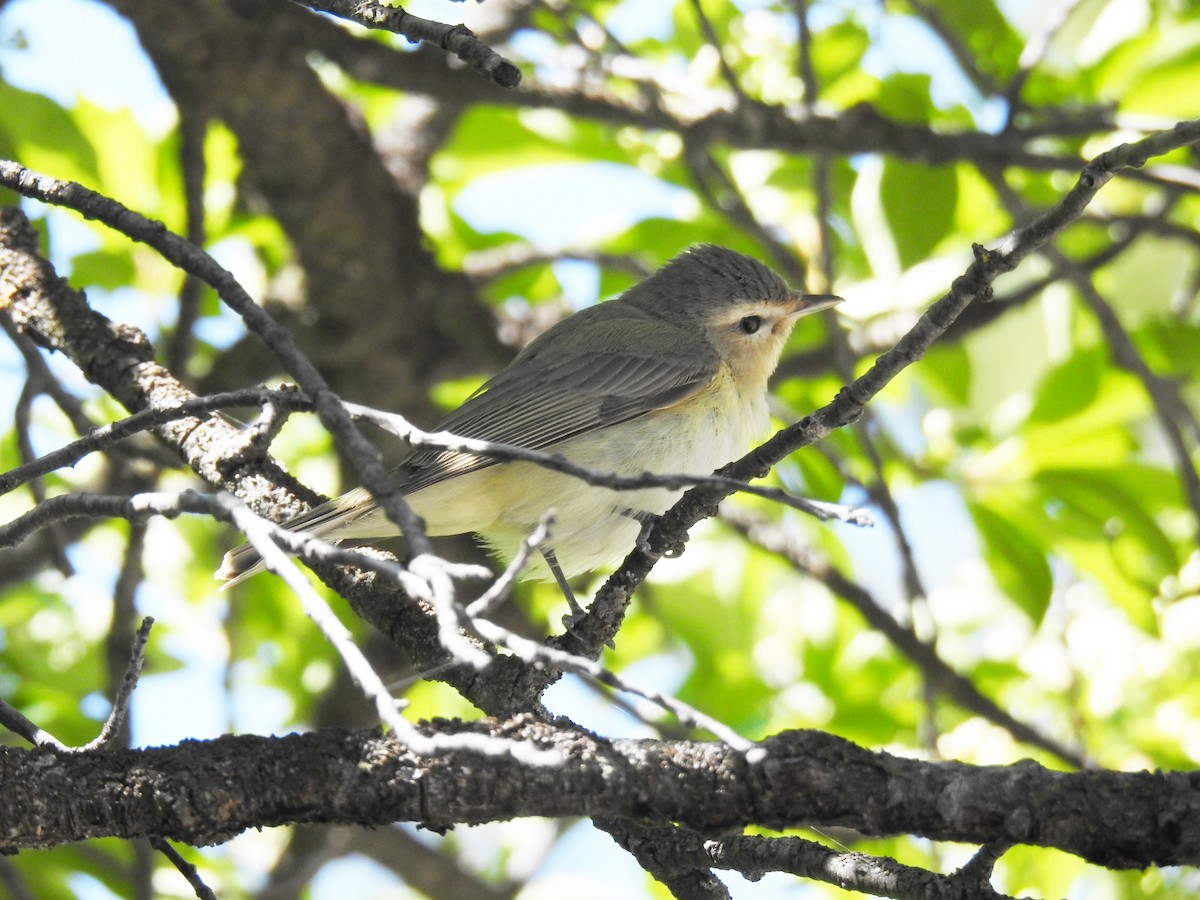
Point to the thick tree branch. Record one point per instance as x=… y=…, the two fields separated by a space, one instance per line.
x=206 y=791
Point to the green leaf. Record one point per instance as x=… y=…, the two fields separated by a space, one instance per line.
x=1169 y=347
x=993 y=44
x=947 y=370
x=108 y=269
x=919 y=203
x=1167 y=87
x=1123 y=502
x=132 y=165
x=821 y=479
x=532 y=283
x=1105 y=522
x=492 y=139
x=1017 y=559
x=905 y=97
x=1094 y=435
x=1071 y=387
x=837 y=51
x=45 y=136
x=979 y=211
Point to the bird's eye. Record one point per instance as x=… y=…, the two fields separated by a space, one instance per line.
x=750 y=324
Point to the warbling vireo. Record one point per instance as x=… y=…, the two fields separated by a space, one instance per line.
x=671 y=377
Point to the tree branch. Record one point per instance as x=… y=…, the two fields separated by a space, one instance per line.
x=455 y=39
x=201 y=792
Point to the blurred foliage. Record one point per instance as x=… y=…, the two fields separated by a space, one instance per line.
x=1044 y=510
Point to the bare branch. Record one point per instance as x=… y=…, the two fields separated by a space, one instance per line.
x=455 y=39
x=537 y=654
x=120 y=708
x=1034 y=52
x=714 y=41
x=185 y=868
x=794 y=779
x=858 y=872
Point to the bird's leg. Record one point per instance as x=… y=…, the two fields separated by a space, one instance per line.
x=577 y=612
x=647 y=520
x=561 y=580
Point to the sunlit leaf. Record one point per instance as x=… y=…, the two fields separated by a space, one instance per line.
x=1016 y=559
x=920 y=204
x=45 y=136
x=1070 y=387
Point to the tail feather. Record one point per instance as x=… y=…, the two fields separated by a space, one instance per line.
x=237 y=565
x=337 y=517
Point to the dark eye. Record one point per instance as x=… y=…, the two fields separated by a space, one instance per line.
x=750 y=324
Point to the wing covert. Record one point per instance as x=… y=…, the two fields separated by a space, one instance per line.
x=606 y=370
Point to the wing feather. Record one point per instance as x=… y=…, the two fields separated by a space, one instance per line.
x=614 y=365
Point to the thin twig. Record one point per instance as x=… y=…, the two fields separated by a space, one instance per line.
x=120 y=707
x=860 y=873
x=186 y=869
x=193 y=128
x=804 y=61
x=726 y=198
x=22 y=420
x=1034 y=52
x=714 y=41
x=16 y=722
x=12 y=881
x=537 y=654
x=976 y=873
x=456 y=39
x=496 y=262
x=502 y=587
x=963 y=55
x=37 y=369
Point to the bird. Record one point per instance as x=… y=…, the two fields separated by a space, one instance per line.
x=669 y=378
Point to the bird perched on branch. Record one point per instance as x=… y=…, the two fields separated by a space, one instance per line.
x=671 y=377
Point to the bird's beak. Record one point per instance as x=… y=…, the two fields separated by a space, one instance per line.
x=811 y=303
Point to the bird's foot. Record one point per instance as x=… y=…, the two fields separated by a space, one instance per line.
x=648 y=521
